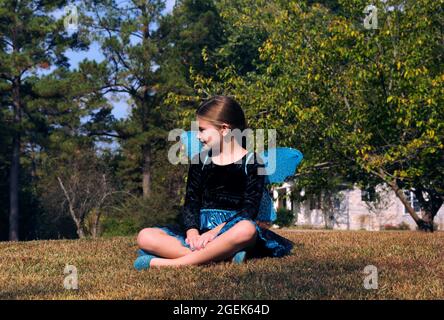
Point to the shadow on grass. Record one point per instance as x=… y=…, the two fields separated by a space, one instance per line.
x=40 y=291
x=276 y=278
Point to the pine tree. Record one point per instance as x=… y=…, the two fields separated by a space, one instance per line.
x=31 y=40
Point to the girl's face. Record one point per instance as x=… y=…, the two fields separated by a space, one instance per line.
x=209 y=134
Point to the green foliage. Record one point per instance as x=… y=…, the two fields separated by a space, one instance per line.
x=31 y=41
x=137 y=213
x=114 y=226
x=368 y=103
x=285 y=217
x=363 y=106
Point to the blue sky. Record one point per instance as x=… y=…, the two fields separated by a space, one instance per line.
x=120 y=109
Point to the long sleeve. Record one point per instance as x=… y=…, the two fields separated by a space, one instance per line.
x=193 y=197
x=253 y=192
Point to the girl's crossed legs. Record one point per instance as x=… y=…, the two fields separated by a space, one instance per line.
x=158 y=242
x=242 y=235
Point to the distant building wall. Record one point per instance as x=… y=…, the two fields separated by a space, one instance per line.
x=348 y=210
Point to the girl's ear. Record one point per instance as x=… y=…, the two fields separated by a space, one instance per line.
x=225 y=129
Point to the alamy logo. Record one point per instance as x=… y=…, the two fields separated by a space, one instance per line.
x=71 y=281
x=371 y=18
x=252 y=137
x=71 y=21
x=371 y=278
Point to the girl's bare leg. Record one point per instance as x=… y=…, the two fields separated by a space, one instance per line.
x=159 y=243
x=241 y=235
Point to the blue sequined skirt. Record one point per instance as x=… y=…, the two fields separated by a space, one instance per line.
x=268 y=242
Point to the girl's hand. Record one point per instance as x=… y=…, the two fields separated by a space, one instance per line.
x=192 y=240
x=205 y=238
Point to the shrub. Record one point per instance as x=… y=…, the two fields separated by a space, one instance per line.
x=285 y=217
x=119 y=226
x=138 y=213
x=402 y=226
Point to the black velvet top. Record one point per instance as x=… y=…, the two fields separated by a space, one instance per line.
x=222 y=187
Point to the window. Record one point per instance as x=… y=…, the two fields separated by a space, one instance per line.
x=411 y=198
x=315 y=202
x=337 y=203
x=281 y=199
x=368 y=194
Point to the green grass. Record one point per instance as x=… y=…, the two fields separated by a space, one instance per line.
x=323 y=265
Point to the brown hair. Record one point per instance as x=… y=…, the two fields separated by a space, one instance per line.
x=219 y=109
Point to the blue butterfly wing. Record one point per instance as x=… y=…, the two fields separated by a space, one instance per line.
x=266 y=213
x=191 y=143
x=281 y=163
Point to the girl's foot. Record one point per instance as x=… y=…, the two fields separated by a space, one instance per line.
x=239 y=257
x=143 y=262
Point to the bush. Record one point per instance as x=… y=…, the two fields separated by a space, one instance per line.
x=402 y=226
x=285 y=217
x=119 y=226
x=138 y=213
x=308 y=227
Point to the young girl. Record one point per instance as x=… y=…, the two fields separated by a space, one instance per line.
x=221 y=202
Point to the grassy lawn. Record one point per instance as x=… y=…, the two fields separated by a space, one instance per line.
x=323 y=265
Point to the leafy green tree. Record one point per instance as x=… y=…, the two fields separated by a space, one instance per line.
x=366 y=104
x=72 y=169
x=193 y=27
x=30 y=40
x=125 y=33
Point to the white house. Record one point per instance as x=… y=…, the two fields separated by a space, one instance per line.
x=351 y=209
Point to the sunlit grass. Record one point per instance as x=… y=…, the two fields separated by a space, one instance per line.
x=323 y=265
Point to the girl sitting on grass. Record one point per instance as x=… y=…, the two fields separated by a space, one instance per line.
x=221 y=202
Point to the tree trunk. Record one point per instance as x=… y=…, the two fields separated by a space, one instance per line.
x=96 y=226
x=79 y=222
x=400 y=194
x=80 y=232
x=14 y=182
x=430 y=207
x=14 y=190
x=146 y=172
x=426 y=222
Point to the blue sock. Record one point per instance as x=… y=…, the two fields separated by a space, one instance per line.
x=239 y=257
x=143 y=262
